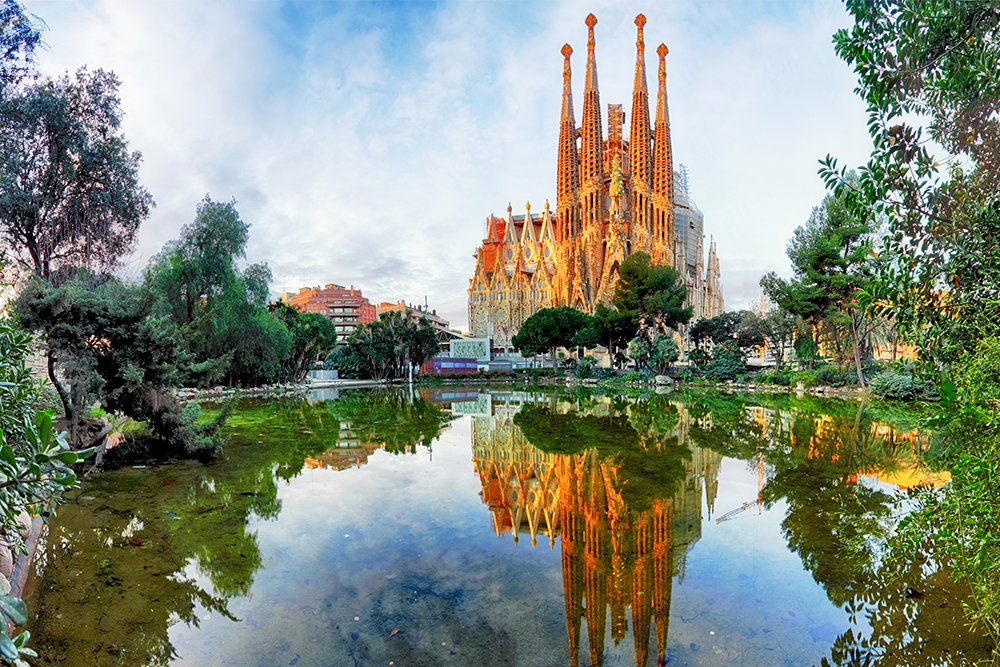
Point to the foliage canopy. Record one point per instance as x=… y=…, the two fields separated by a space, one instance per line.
x=69 y=192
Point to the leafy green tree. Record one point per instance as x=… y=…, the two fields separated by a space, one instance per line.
x=779 y=332
x=34 y=464
x=313 y=337
x=928 y=70
x=638 y=351
x=728 y=361
x=830 y=258
x=110 y=350
x=663 y=352
x=18 y=39
x=549 y=328
x=348 y=362
x=714 y=330
x=657 y=354
x=591 y=333
x=218 y=310
x=616 y=328
x=69 y=186
x=650 y=296
x=388 y=347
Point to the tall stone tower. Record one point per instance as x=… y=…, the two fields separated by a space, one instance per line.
x=621 y=201
x=614 y=196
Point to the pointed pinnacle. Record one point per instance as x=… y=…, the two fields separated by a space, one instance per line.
x=566 y=50
x=591 y=22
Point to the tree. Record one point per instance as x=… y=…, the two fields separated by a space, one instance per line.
x=714 y=330
x=388 y=347
x=930 y=69
x=779 y=326
x=110 y=351
x=650 y=296
x=592 y=333
x=18 y=39
x=69 y=187
x=752 y=330
x=657 y=354
x=549 y=328
x=218 y=310
x=313 y=338
x=616 y=328
x=830 y=258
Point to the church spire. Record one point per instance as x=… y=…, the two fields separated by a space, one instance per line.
x=663 y=163
x=592 y=143
x=639 y=135
x=568 y=168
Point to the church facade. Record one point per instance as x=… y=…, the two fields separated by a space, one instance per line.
x=614 y=196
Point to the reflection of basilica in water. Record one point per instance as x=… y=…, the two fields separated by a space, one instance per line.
x=612 y=555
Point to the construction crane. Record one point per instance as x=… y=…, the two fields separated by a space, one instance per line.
x=732 y=514
x=758 y=504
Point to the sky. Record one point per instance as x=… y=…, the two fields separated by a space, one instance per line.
x=367 y=143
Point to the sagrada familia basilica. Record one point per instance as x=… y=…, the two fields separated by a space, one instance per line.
x=613 y=197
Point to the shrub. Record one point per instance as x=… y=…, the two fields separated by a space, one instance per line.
x=831 y=376
x=902 y=386
x=698 y=356
x=723 y=368
x=807 y=378
x=586 y=368
x=774 y=377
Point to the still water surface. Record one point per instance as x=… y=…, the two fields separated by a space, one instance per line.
x=473 y=527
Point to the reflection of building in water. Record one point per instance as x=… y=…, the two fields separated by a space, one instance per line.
x=826 y=439
x=612 y=555
x=349 y=451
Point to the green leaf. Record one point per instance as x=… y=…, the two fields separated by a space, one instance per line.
x=81 y=454
x=14 y=608
x=7 y=648
x=43 y=422
x=68 y=480
x=67 y=457
x=7 y=454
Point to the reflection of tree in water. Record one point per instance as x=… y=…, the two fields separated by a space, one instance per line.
x=146 y=538
x=607 y=476
x=398 y=422
x=141 y=540
x=815 y=453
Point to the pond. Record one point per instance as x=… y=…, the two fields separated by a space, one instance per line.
x=498 y=527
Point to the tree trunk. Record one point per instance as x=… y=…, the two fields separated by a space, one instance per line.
x=64 y=396
x=857 y=355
